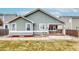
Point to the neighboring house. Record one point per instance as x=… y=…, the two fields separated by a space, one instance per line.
x=6 y=17
x=71 y=22
x=1 y=24
x=34 y=23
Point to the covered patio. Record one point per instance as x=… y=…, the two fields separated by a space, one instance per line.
x=57 y=29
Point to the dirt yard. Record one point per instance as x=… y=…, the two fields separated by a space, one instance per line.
x=32 y=45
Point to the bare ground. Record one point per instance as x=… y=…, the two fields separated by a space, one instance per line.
x=33 y=45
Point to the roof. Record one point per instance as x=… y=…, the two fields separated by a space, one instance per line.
x=7 y=17
x=7 y=14
x=20 y=17
x=73 y=17
x=45 y=12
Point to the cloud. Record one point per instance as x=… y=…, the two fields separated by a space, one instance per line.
x=56 y=13
x=23 y=12
x=65 y=11
x=75 y=10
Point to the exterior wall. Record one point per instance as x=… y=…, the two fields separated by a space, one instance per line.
x=75 y=24
x=8 y=17
x=66 y=20
x=20 y=26
x=60 y=26
x=1 y=17
x=39 y=17
x=71 y=23
x=1 y=27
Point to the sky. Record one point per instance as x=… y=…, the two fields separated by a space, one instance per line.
x=54 y=11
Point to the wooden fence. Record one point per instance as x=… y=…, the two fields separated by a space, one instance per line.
x=72 y=32
x=4 y=32
x=68 y=32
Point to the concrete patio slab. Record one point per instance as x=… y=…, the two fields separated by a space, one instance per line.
x=41 y=38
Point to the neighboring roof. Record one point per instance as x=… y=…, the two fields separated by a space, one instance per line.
x=7 y=14
x=7 y=17
x=19 y=17
x=38 y=9
x=73 y=17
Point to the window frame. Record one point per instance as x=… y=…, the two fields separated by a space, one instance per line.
x=26 y=26
x=41 y=25
x=7 y=26
x=12 y=25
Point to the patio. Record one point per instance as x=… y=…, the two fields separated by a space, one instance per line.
x=48 y=38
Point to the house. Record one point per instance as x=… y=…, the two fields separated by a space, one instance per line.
x=71 y=22
x=34 y=23
x=1 y=23
x=5 y=18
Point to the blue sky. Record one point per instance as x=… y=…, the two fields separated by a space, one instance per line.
x=54 y=11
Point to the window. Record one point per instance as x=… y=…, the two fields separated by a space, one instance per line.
x=42 y=26
x=13 y=27
x=6 y=26
x=52 y=27
x=28 y=26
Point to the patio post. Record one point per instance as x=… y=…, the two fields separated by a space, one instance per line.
x=64 y=31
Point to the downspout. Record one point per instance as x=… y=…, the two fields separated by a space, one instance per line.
x=33 y=29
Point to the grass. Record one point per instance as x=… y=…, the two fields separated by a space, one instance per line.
x=30 y=45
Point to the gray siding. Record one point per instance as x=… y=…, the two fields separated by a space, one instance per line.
x=39 y=17
x=20 y=24
x=75 y=24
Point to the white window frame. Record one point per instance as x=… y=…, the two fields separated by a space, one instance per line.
x=26 y=26
x=41 y=25
x=7 y=26
x=15 y=26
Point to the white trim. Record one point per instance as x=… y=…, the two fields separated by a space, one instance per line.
x=26 y=26
x=70 y=21
x=54 y=23
x=64 y=30
x=15 y=26
x=21 y=17
x=28 y=31
x=27 y=19
x=40 y=24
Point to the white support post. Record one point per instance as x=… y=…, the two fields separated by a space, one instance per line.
x=70 y=21
x=64 y=31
